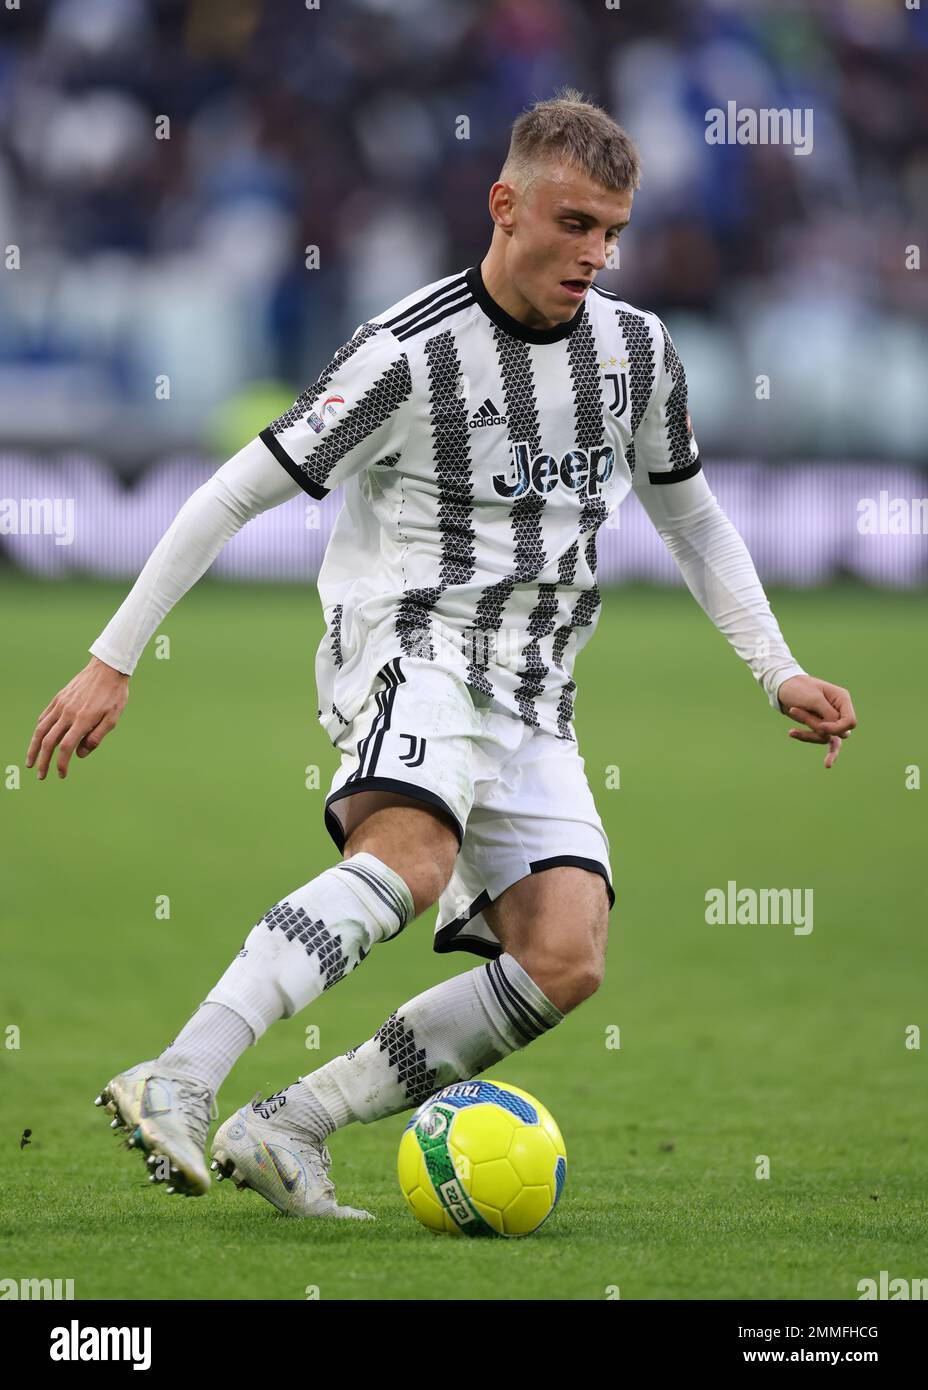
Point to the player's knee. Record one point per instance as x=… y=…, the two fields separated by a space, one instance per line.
x=428 y=874
x=568 y=961
x=425 y=868
x=591 y=976
x=566 y=976
x=581 y=980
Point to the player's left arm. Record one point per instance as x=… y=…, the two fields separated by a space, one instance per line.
x=715 y=562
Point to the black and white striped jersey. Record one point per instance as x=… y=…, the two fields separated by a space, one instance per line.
x=478 y=459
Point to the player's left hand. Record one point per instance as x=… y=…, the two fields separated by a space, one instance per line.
x=825 y=709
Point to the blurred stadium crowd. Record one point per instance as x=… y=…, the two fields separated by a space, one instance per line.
x=336 y=127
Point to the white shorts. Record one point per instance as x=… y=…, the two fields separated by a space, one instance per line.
x=517 y=796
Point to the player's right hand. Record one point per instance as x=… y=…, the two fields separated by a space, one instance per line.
x=79 y=717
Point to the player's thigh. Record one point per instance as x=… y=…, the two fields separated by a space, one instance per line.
x=417 y=841
x=405 y=785
x=556 y=923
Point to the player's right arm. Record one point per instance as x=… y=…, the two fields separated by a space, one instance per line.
x=353 y=415
x=90 y=705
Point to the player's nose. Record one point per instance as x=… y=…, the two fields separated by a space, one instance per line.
x=594 y=256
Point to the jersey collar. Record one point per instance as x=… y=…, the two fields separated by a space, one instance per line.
x=512 y=326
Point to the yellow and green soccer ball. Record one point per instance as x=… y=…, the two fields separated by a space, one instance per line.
x=482 y=1158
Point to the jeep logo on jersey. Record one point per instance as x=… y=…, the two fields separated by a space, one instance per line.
x=580 y=470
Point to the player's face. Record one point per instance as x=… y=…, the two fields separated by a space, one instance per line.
x=561 y=233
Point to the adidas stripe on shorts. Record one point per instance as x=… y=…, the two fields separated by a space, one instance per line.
x=517 y=796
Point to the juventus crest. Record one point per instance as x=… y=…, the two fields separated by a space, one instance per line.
x=619 y=383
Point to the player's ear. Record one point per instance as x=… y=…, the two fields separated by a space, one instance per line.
x=501 y=202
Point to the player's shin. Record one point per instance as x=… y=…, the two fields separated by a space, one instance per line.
x=302 y=946
x=448 y=1033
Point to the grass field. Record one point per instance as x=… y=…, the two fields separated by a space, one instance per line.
x=736 y=1041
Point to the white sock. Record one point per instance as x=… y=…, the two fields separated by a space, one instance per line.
x=449 y=1033
x=209 y=1045
x=312 y=938
x=303 y=945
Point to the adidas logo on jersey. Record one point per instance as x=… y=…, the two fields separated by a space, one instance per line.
x=487 y=414
x=580 y=470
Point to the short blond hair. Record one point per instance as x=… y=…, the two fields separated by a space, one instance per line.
x=569 y=127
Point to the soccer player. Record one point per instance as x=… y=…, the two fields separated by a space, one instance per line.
x=482 y=430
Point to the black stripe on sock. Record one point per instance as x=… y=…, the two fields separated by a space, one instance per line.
x=532 y=1015
x=504 y=1005
x=380 y=885
x=383 y=890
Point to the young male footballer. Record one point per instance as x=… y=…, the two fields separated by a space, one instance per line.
x=482 y=429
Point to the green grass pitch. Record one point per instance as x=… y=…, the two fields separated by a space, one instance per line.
x=736 y=1041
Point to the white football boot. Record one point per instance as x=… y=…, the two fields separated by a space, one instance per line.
x=258 y=1149
x=166 y=1117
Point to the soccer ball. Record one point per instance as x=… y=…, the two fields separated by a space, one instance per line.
x=482 y=1158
